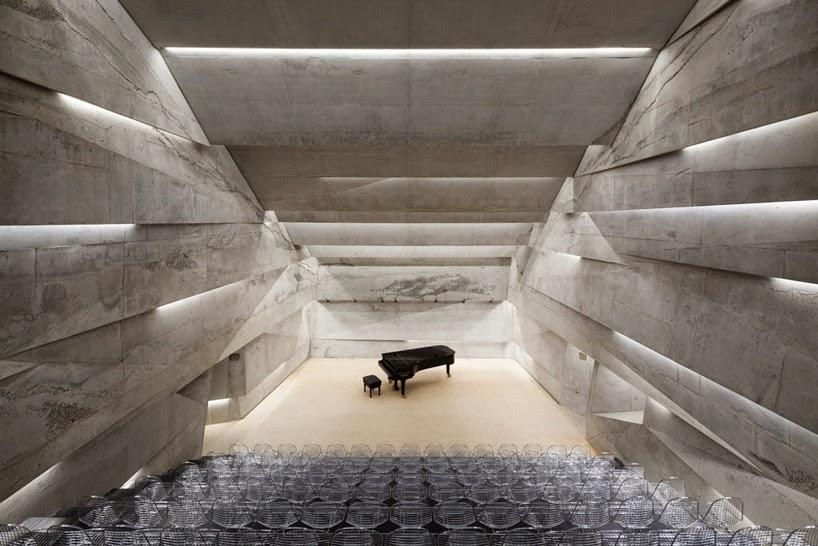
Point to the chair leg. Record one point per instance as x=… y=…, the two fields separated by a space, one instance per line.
x=370 y=393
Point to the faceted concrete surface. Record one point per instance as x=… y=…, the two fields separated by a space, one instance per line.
x=484 y=401
x=408 y=23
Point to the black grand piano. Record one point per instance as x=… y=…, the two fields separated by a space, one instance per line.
x=401 y=365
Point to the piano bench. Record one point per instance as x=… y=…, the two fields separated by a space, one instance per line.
x=372 y=382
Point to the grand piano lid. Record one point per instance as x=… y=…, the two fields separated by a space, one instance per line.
x=420 y=353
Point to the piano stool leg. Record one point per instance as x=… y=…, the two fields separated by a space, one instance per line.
x=395 y=385
x=447 y=371
x=364 y=387
x=403 y=388
x=370 y=393
x=379 y=390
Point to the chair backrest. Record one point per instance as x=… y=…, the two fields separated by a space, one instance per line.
x=323 y=515
x=752 y=536
x=409 y=537
x=641 y=537
x=277 y=514
x=695 y=536
x=367 y=514
x=468 y=536
x=805 y=536
x=411 y=514
x=725 y=512
x=635 y=513
x=454 y=514
x=588 y=514
x=680 y=512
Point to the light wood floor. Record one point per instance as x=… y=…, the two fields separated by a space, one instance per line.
x=485 y=401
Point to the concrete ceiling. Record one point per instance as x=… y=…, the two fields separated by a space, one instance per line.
x=369 y=147
x=408 y=23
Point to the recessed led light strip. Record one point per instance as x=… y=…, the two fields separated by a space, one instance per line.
x=467 y=53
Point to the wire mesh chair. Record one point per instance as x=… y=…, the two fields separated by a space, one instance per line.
x=373 y=490
x=337 y=450
x=595 y=488
x=561 y=488
x=523 y=491
x=504 y=477
x=447 y=492
x=498 y=515
x=411 y=514
x=120 y=535
x=287 y=452
x=532 y=452
x=313 y=473
x=183 y=537
x=443 y=480
x=635 y=513
x=411 y=491
x=642 y=537
x=189 y=488
x=507 y=450
x=630 y=487
x=356 y=537
x=668 y=489
x=311 y=451
x=581 y=537
x=329 y=463
x=360 y=451
x=458 y=451
x=695 y=536
x=471 y=478
x=752 y=536
x=224 y=487
x=483 y=450
x=367 y=515
x=277 y=514
x=323 y=515
x=680 y=512
x=588 y=514
x=256 y=489
x=409 y=537
x=243 y=537
x=454 y=514
x=485 y=492
x=99 y=512
x=805 y=536
x=543 y=514
x=140 y=512
x=13 y=534
x=409 y=450
x=409 y=465
x=334 y=491
x=436 y=464
x=347 y=476
x=521 y=537
x=232 y=513
x=297 y=490
x=302 y=537
x=152 y=487
x=186 y=513
x=58 y=535
x=469 y=536
x=724 y=513
x=491 y=465
x=434 y=450
x=382 y=463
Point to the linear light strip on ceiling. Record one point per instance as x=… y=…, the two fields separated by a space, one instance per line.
x=472 y=53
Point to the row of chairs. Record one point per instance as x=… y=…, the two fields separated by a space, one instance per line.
x=634 y=513
x=64 y=535
x=290 y=451
x=383 y=488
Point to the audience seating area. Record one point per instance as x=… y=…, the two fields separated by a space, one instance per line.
x=409 y=496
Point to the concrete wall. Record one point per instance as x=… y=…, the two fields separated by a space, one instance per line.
x=133 y=258
x=364 y=310
x=682 y=259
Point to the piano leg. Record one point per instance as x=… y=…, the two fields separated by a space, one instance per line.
x=447 y=370
x=395 y=385
x=402 y=387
